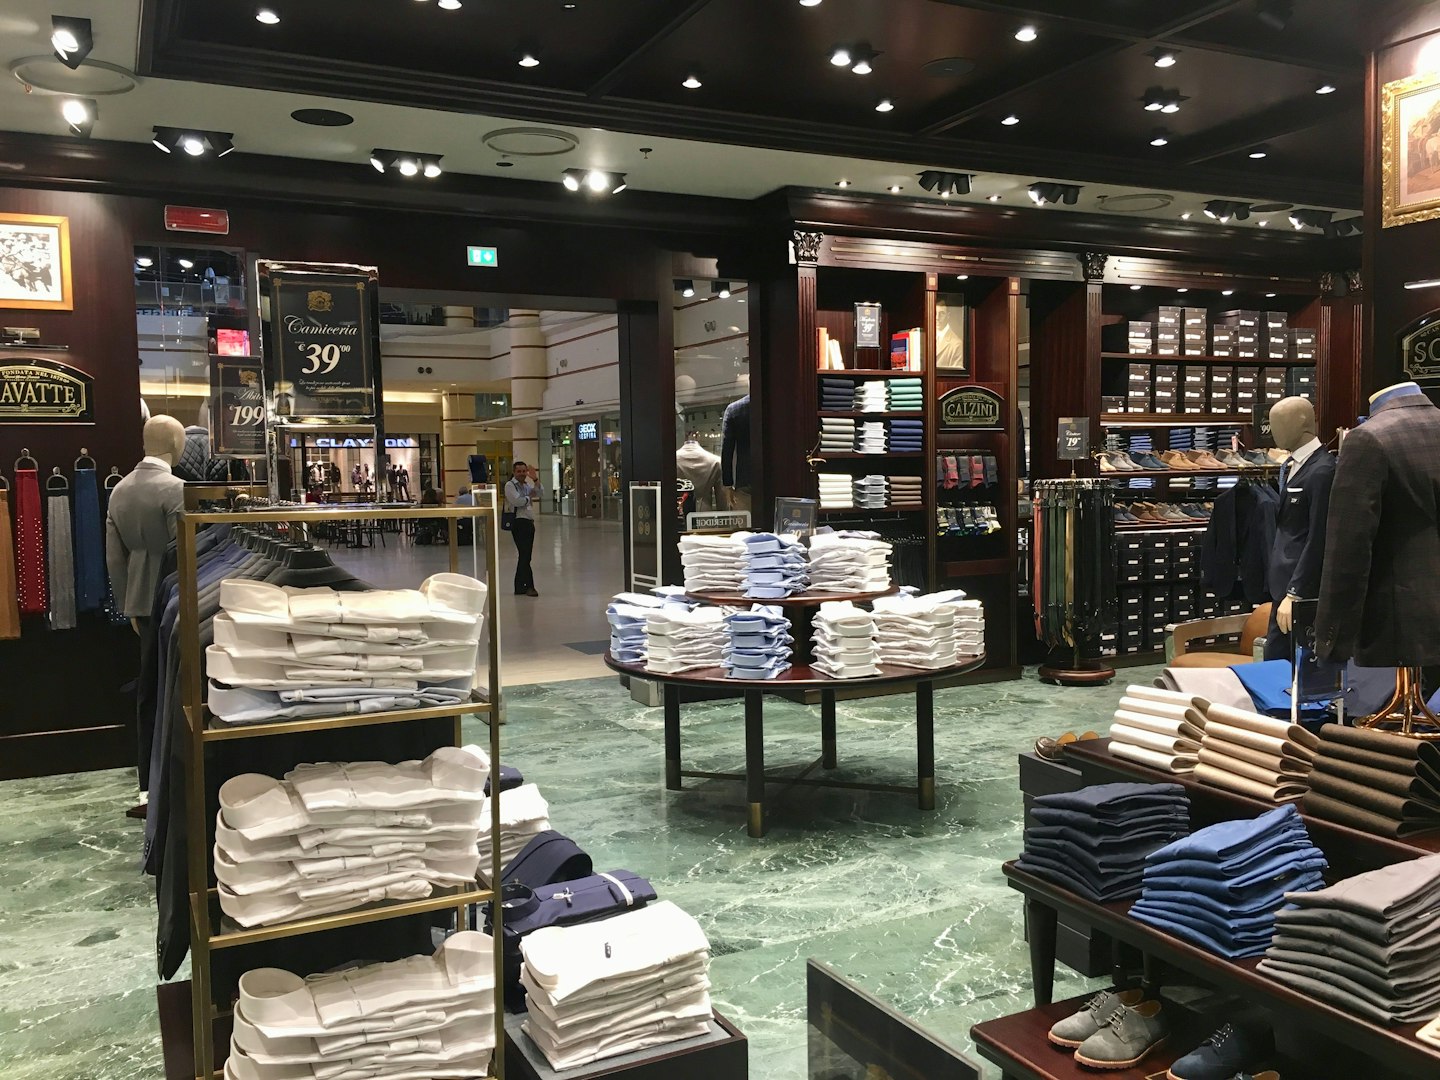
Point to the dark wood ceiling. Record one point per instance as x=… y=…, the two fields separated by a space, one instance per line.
x=768 y=81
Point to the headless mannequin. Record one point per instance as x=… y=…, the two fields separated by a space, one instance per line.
x=1406 y=387
x=163 y=437
x=1292 y=422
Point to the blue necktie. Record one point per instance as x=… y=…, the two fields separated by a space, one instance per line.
x=90 y=575
x=1285 y=471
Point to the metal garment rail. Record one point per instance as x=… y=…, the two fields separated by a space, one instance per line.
x=206 y=935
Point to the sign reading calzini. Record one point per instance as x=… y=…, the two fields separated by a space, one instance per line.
x=36 y=391
x=970 y=407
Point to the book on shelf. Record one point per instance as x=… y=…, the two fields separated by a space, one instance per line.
x=907 y=351
x=828 y=355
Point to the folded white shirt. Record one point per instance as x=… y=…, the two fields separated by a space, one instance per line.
x=265 y=910
x=451 y=774
x=424 y=1036
x=441 y=597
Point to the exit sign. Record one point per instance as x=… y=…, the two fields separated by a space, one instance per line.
x=483 y=256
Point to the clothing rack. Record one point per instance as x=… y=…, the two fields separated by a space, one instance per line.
x=1074 y=563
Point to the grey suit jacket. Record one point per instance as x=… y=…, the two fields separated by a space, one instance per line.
x=1378 y=598
x=139 y=527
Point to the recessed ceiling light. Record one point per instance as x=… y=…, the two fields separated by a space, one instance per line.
x=1258 y=153
x=1185 y=216
x=1170 y=107
x=962 y=277
x=1182 y=290
x=528 y=61
x=893 y=188
x=809 y=3
x=1269 y=296
x=993 y=198
x=840 y=57
x=450 y=5
x=1325 y=88
x=862 y=66
x=1134 y=288
x=1227 y=292
x=1261 y=224
x=322 y=117
x=842 y=183
x=885 y=105
x=1164 y=58
x=692 y=82
x=1160 y=138
x=1011 y=120
x=266 y=16
x=186 y=264
x=144 y=261
x=504 y=164
x=1026 y=33
x=722 y=289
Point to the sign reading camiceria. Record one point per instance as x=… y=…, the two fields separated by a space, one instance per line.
x=966 y=408
x=36 y=391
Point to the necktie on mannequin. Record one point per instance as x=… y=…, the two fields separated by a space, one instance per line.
x=9 y=590
x=30 y=544
x=90 y=576
x=61 y=555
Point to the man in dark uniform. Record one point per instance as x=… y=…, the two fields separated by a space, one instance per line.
x=1299 y=552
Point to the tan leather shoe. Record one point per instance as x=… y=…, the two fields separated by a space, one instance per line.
x=1208 y=460
x=1177 y=460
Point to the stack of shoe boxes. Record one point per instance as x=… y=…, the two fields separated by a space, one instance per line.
x=1159 y=584
x=1167 y=388
x=1194 y=396
x=1141 y=340
x=1138 y=398
x=1247 y=388
x=1169 y=326
x=1222 y=341
x=1222 y=389
x=1193 y=336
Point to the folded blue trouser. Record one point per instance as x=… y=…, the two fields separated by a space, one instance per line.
x=1231 y=926
x=1210 y=905
x=1248 y=896
x=1116 y=800
x=1183 y=871
x=1227 y=839
x=1199 y=937
x=1237 y=866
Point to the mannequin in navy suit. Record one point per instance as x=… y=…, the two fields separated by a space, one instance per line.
x=1299 y=551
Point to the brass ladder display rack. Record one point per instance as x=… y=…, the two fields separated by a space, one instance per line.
x=207 y=934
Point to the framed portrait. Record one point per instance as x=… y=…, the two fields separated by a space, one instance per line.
x=35 y=262
x=951 y=356
x=1410 y=150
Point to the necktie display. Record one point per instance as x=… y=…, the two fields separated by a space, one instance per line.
x=90 y=576
x=9 y=589
x=1074 y=597
x=30 y=538
x=60 y=558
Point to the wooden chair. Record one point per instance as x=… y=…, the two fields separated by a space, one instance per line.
x=1249 y=627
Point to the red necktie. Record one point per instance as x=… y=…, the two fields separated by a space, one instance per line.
x=30 y=544
x=9 y=604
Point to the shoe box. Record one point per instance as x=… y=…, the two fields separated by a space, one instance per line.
x=1275 y=382
x=1193 y=337
x=1141 y=338
x=1247 y=388
x=1158 y=583
x=1304 y=344
x=1222 y=389
x=1246 y=330
x=1222 y=340
x=1194 y=389
x=1167 y=388
x=1301 y=382
x=1138 y=395
x=1169 y=330
x=1113 y=403
x=1275 y=335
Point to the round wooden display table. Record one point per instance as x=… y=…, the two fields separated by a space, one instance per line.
x=799 y=677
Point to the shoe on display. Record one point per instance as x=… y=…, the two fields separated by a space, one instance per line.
x=1232 y=460
x=1174 y=513
x=1278 y=456
x=1176 y=459
x=1127 y=515
x=1209 y=460
x=1231 y=1049
x=1107 y=463
x=1146 y=460
x=1132 y=1032
x=1192 y=511
x=1076 y=1028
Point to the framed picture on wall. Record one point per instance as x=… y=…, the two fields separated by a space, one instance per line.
x=1410 y=150
x=35 y=262
x=950 y=353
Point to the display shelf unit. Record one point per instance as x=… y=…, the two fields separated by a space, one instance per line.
x=1180 y=474
x=210 y=931
x=1174 y=420
x=1236 y=361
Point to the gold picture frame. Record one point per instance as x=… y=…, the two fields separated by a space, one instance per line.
x=1410 y=150
x=35 y=263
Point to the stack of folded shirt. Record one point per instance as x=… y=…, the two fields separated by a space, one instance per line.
x=713 y=562
x=906 y=492
x=430 y=1016
x=849 y=562
x=1254 y=755
x=872 y=492
x=837 y=435
x=1369 y=944
x=626 y=614
x=775 y=566
x=837 y=491
x=1219 y=888
x=1094 y=841
x=331 y=837
x=677 y=640
x=1376 y=781
x=914 y=631
x=870 y=396
x=282 y=654
x=907 y=436
x=870 y=437
x=906 y=395
x=524 y=815
x=837 y=393
x=759 y=644
x=637 y=980
x=969 y=623
x=844 y=642
x=1159 y=728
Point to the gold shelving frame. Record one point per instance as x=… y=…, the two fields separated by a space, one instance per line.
x=209 y=932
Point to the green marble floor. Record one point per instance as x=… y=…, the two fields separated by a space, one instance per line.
x=911 y=905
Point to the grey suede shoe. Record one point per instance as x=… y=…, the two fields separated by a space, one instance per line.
x=1076 y=1028
x=1133 y=1031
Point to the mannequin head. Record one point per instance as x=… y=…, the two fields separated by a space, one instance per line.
x=164 y=437
x=1292 y=422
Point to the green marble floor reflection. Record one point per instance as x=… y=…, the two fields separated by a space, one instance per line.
x=911 y=905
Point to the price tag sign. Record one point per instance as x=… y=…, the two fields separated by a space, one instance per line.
x=796 y=517
x=321 y=351
x=1074 y=440
x=1262 y=437
x=237 y=407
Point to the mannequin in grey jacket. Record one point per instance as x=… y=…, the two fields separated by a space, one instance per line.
x=140 y=523
x=702 y=468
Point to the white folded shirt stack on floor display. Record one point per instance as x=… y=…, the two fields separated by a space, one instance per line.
x=849 y=562
x=626 y=614
x=969 y=623
x=713 y=562
x=837 y=491
x=286 y=653
x=844 y=641
x=914 y=631
x=677 y=640
x=333 y=836
x=1255 y=755
x=420 y=1018
x=637 y=980
x=1158 y=728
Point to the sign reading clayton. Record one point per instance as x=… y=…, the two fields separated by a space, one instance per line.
x=36 y=391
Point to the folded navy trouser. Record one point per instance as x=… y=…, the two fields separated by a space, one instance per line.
x=1117 y=800
x=1228 y=839
x=1120 y=888
x=1099 y=842
x=1109 y=862
x=1097 y=876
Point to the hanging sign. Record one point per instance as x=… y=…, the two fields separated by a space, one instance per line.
x=321 y=339
x=36 y=391
x=1074 y=438
x=967 y=408
x=237 y=407
x=1420 y=350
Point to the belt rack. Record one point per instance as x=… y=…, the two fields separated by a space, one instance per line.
x=208 y=930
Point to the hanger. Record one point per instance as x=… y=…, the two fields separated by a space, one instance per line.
x=56 y=481
x=25 y=456
x=114 y=478
x=85 y=457
x=4 y=483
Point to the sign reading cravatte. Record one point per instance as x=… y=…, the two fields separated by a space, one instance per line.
x=36 y=391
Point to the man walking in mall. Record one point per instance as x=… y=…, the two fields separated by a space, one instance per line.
x=522 y=497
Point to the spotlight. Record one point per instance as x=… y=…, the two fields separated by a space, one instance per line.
x=809 y=3
x=885 y=105
x=432 y=168
x=692 y=82
x=185 y=264
x=375 y=161
x=1325 y=88
x=221 y=143
x=862 y=66
x=144 y=262
x=408 y=166
x=193 y=141
x=840 y=57
x=1182 y=290
x=1026 y=33
x=1259 y=152
x=1312 y=219
x=842 y=183
x=721 y=289
x=1011 y=120
x=1185 y=216
x=945 y=184
x=1162 y=100
x=1160 y=137
x=962 y=277
x=1275 y=13
x=528 y=60
x=1134 y=288
x=80 y=114
x=572 y=179
x=1042 y=192
x=72 y=39
x=266 y=16
x=993 y=198
x=407 y=163
x=1222 y=210
x=1227 y=292
x=685 y=287
x=1351 y=226
x=449 y=5
x=1163 y=58
x=598 y=181
x=1269 y=296
x=893 y=188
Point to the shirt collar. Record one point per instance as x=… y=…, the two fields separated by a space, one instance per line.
x=1301 y=454
x=1403 y=390
x=155 y=462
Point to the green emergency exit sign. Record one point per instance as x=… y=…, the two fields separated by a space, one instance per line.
x=483 y=256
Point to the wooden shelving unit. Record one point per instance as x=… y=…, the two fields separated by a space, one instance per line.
x=1237 y=361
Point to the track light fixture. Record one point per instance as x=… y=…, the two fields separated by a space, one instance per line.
x=72 y=39
x=1313 y=219
x=1042 y=192
x=1163 y=100
x=1222 y=210
x=1351 y=226
x=192 y=141
x=945 y=184
x=1162 y=57
x=720 y=289
x=685 y=287
x=407 y=163
x=80 y=114
x=597 y=181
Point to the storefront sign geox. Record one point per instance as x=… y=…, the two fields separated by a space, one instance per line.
x=36 y=391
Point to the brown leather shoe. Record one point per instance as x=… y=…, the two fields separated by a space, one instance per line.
x=1177 y=460
x=531 y=592
x=1208 y=460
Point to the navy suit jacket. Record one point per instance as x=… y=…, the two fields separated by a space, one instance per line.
x=1299 y=552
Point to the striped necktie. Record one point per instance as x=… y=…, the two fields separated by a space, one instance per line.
x=30 y=544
